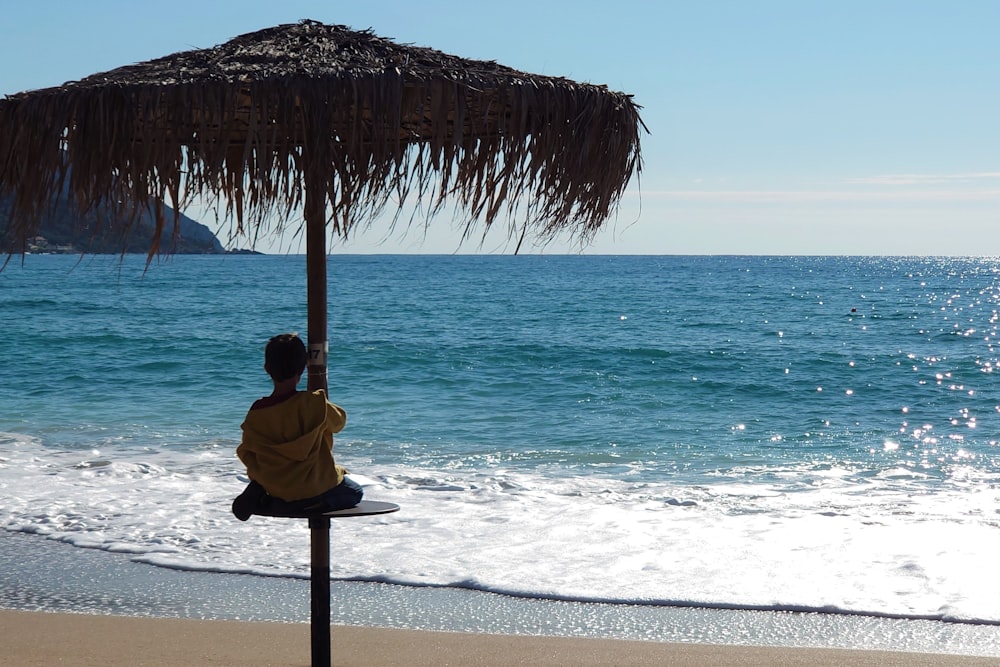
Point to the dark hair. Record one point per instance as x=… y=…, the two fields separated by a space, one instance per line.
x=285 y=356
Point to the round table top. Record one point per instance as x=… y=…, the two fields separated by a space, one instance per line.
x=364 y=508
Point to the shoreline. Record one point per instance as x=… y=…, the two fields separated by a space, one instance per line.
x=40 y=575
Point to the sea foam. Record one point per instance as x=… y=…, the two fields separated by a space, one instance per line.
x=837 y=544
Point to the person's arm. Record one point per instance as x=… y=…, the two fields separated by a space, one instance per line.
x=336 y=418
x=247 y=456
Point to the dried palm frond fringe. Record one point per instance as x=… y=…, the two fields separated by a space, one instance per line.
x=270 y=116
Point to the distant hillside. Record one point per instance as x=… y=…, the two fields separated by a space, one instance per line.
x=66 y=231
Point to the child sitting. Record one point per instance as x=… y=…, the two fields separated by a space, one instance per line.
x=287 y=444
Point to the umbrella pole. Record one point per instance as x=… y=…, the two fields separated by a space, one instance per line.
x=319 y=590
x=319 y=527
x=315 y=215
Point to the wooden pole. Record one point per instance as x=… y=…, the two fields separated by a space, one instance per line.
x=319 y=527
x=315 y=216
x=319 y=590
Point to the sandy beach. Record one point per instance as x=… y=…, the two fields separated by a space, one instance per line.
x=36 y=638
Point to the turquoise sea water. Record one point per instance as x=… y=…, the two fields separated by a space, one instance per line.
x=815 y=433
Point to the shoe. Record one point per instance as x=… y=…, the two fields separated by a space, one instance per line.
x=248 y=501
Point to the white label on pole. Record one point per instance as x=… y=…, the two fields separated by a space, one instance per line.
x=317 y=353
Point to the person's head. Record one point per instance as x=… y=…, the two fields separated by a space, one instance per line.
x=285 y=357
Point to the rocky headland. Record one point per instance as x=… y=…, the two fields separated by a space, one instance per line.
x=66 y=231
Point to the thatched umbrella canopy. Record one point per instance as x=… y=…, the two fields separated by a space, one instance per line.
x=338 y=124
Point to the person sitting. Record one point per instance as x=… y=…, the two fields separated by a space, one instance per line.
x=287 y=444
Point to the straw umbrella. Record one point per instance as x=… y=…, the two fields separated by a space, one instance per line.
x=319 y=120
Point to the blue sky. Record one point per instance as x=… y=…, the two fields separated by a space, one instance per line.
x=777 y=126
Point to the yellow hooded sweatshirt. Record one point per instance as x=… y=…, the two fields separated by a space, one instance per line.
x=287 y=447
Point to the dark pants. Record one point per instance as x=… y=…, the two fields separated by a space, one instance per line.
x=346 y=494
x=255 y=500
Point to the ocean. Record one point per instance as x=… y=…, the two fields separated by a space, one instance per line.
x=809 y=434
